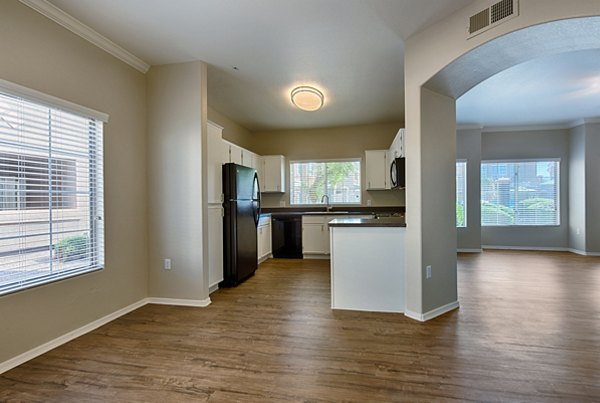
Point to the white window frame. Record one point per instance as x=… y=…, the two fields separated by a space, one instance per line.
x=92 y=157
x=557 y=194
x=463 y=161
x=360 y=165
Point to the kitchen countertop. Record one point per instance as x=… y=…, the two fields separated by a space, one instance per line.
x=368 y=222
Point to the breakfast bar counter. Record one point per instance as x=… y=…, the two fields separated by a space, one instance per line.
x=367 y=264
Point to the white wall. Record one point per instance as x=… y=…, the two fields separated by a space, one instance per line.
x=176 y=188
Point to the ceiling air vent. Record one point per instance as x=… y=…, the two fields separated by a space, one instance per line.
x=494 y=15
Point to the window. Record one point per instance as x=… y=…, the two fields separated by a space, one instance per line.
x=51 y=201
x=339 y=180
x=461 y=194
x=520 y=192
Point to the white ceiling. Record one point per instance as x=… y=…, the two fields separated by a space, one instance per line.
x=556 y=90
x=351 y=49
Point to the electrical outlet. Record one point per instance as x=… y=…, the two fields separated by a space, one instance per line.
x=167 y=264
x=428 y=271
x=577 y=231
x=369 y=202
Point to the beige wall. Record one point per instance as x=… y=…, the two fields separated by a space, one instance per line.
x=177 y=202
x=232 y=131
x=332 y=143
x=41 y=55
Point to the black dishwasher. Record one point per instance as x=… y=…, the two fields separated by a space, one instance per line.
x=287 y=236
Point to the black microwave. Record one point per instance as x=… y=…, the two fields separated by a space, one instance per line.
x=398 y=173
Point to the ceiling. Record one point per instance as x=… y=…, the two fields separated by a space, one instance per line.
x=556 y=90
x=352 y=50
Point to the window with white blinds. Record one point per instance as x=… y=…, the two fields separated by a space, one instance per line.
x=461 y=194
x=338 y=180
x=520 y=192
x=51 y=200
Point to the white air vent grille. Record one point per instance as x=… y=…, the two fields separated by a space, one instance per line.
x=496 y=14
x=479 y=21
x=501 y=10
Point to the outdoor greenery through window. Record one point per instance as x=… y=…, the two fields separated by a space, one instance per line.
x=51 y=202
x=339 y=180
x=520 y=193
x=461 y=194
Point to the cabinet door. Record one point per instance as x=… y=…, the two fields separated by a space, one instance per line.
x=215 y=245
x=312 y=238
x=397 y=148
x=268 y=242
x=225 y=152
x=247 y=158
x=259 y=242
x=273 y=173
x=214 y=171
x=376 y=169
x=236 y=154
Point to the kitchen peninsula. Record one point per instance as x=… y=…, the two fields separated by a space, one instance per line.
x=367 y=264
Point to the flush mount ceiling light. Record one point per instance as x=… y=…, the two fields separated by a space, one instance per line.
x=307 y=98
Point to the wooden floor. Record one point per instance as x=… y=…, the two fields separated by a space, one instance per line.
x=528 y=329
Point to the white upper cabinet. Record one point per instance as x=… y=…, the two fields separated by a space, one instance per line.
x=247 y=158
x=214 y=161
x=235 y=153
x=377 y=169
x=272 y=173
x=397 y=149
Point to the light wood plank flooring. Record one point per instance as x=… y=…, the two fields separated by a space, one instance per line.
x=528 y=329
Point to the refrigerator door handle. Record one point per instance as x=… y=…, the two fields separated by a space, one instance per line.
x=257 y=201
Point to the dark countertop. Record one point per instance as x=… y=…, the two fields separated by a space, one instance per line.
x=368 y=222
x=338 y=210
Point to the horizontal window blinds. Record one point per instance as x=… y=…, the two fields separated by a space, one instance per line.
x=339 y=180
x=51 y=199
x=520 y=193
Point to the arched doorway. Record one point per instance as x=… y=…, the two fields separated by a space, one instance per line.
x=431 y=142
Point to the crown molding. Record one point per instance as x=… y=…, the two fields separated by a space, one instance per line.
x=72 y=24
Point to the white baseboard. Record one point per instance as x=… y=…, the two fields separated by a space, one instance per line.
x=262 y=259
x=534 y=248
x=201 y=303
x=466 y=250
x=67 y=337
x=583 y=253
x=433 y=313
x=321 y=256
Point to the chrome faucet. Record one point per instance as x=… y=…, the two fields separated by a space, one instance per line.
x=323 y=198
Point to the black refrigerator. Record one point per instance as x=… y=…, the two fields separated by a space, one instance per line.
x=241 y=204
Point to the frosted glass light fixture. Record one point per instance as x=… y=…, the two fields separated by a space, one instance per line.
x=307 y=98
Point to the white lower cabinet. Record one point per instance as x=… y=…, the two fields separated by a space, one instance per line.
x=264 y=245
x=315 y=235
x=215 y=246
